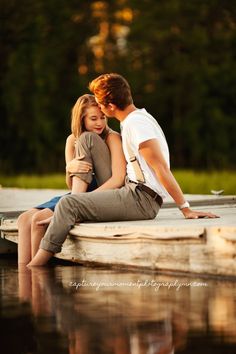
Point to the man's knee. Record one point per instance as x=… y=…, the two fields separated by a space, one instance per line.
x=66 y=203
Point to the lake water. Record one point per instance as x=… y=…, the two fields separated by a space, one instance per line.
x=78 y=310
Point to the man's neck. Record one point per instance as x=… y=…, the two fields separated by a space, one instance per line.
x=121 y=115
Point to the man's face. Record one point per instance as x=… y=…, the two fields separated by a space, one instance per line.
x=105 y=109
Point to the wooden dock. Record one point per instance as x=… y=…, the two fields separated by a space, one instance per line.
x=168 y=243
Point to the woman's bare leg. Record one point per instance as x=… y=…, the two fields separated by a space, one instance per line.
x=24 y=236
x=38 y=231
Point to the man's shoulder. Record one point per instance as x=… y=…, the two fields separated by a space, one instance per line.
x=142 y=124
x=136 y=117
x=139 y=113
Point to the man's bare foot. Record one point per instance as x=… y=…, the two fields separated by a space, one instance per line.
x=41 y=258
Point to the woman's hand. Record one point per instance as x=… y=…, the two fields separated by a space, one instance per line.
x=77 y=165
x=190 y=214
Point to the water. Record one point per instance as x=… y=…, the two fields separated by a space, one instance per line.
x=78 y=310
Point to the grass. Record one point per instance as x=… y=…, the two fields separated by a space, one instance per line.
x=190 y=181
x=203 y=182
x=51 y=181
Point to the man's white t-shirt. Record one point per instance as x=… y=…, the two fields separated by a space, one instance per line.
x=138 y=127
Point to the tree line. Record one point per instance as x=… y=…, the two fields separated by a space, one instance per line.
x=179 y=57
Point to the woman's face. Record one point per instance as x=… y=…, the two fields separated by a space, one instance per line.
x=94 y=120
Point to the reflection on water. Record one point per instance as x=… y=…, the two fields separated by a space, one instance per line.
x=78 y=310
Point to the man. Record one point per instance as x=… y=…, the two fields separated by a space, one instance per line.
x=148 y=174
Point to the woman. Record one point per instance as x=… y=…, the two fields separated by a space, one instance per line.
x=89 y=128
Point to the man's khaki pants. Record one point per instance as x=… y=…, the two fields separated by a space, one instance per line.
x=126 y=203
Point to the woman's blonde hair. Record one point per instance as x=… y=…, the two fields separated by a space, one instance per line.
x=79 y=112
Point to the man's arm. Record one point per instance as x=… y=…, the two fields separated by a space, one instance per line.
x=151 y=152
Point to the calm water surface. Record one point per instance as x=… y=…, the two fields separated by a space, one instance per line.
x=77 y=310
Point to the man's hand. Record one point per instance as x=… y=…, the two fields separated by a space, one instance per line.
x=190 y=214
x=45 y=221
x=78 y=166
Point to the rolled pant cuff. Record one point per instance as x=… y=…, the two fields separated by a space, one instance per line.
x=86 y=177
x=50 y=246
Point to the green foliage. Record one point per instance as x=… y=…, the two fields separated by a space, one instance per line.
x=186 y=61
x=179 y=57
x=54 y=181
x=195 y=182
x=192 y=182
x=39 y=81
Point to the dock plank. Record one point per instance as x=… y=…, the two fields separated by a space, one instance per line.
x=167 y=243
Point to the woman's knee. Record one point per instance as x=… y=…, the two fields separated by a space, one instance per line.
x=89 y=139
x=41 y=215
x=26 y=217
x=88 y=135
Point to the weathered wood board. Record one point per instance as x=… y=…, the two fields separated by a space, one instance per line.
x=167 y=243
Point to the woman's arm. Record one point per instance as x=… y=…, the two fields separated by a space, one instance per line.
x=69 y=155
x=70 y=148
x=118 y=163
x=74 y=165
